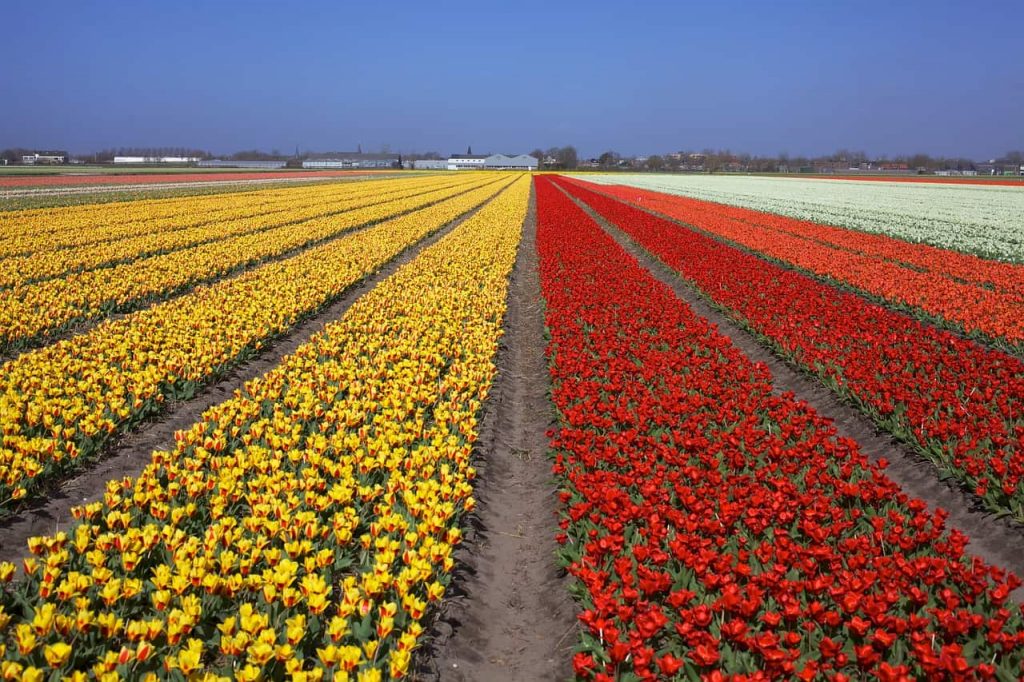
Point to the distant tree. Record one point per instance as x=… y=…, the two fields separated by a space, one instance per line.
x=920 y=161
x=608 y=159
x=567 y=157
x=712 y=160
x=655 y=163
x=256 y=155
x=14 y=154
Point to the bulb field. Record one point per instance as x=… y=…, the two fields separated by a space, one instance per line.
x=492 y=425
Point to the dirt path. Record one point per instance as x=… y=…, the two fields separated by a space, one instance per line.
x=995 y=540
x=511 y=616
x=130 y=454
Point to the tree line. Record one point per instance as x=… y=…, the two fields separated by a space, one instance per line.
x=709 y=160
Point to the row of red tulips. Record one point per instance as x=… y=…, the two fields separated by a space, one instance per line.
x=716 y=530
x=958 y=403
x=966 y=268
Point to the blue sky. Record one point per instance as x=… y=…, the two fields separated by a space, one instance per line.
x=762 y=77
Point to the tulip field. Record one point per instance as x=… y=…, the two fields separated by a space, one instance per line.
x=711 y=525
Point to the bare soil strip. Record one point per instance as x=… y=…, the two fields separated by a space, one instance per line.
x=129 y=455
x=509 y=615
x=998 y=541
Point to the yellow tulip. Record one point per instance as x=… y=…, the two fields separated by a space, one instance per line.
x=57 y=654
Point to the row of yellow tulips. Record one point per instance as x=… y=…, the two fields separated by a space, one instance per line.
x=59 y=403
x=37 y=311
x=61 y=227
x=302 y=528
x=330 y=200
x=69 y=226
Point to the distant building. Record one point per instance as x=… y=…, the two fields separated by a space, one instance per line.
x=521 y=162
x=228 y=163
x=354 y=160
x=44 y=159
x=993 y=167
x=156 y=159
x=466 y=161
x=430 y=164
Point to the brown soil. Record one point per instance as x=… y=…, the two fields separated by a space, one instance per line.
x=509 y=615
x=130 y=454
x=998 y=541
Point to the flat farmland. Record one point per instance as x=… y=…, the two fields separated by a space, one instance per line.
x=492 y=425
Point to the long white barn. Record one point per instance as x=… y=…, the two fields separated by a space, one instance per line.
x=518 y=162
x=492 y=162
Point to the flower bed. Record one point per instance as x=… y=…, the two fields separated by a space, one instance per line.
x=83 y=247
x=303 y=527
x=714 y=529
x=60 y=403
x=970 y=293
x=959 y=404
x=40 y=310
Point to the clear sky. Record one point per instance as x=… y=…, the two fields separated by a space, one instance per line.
x=762 y=77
